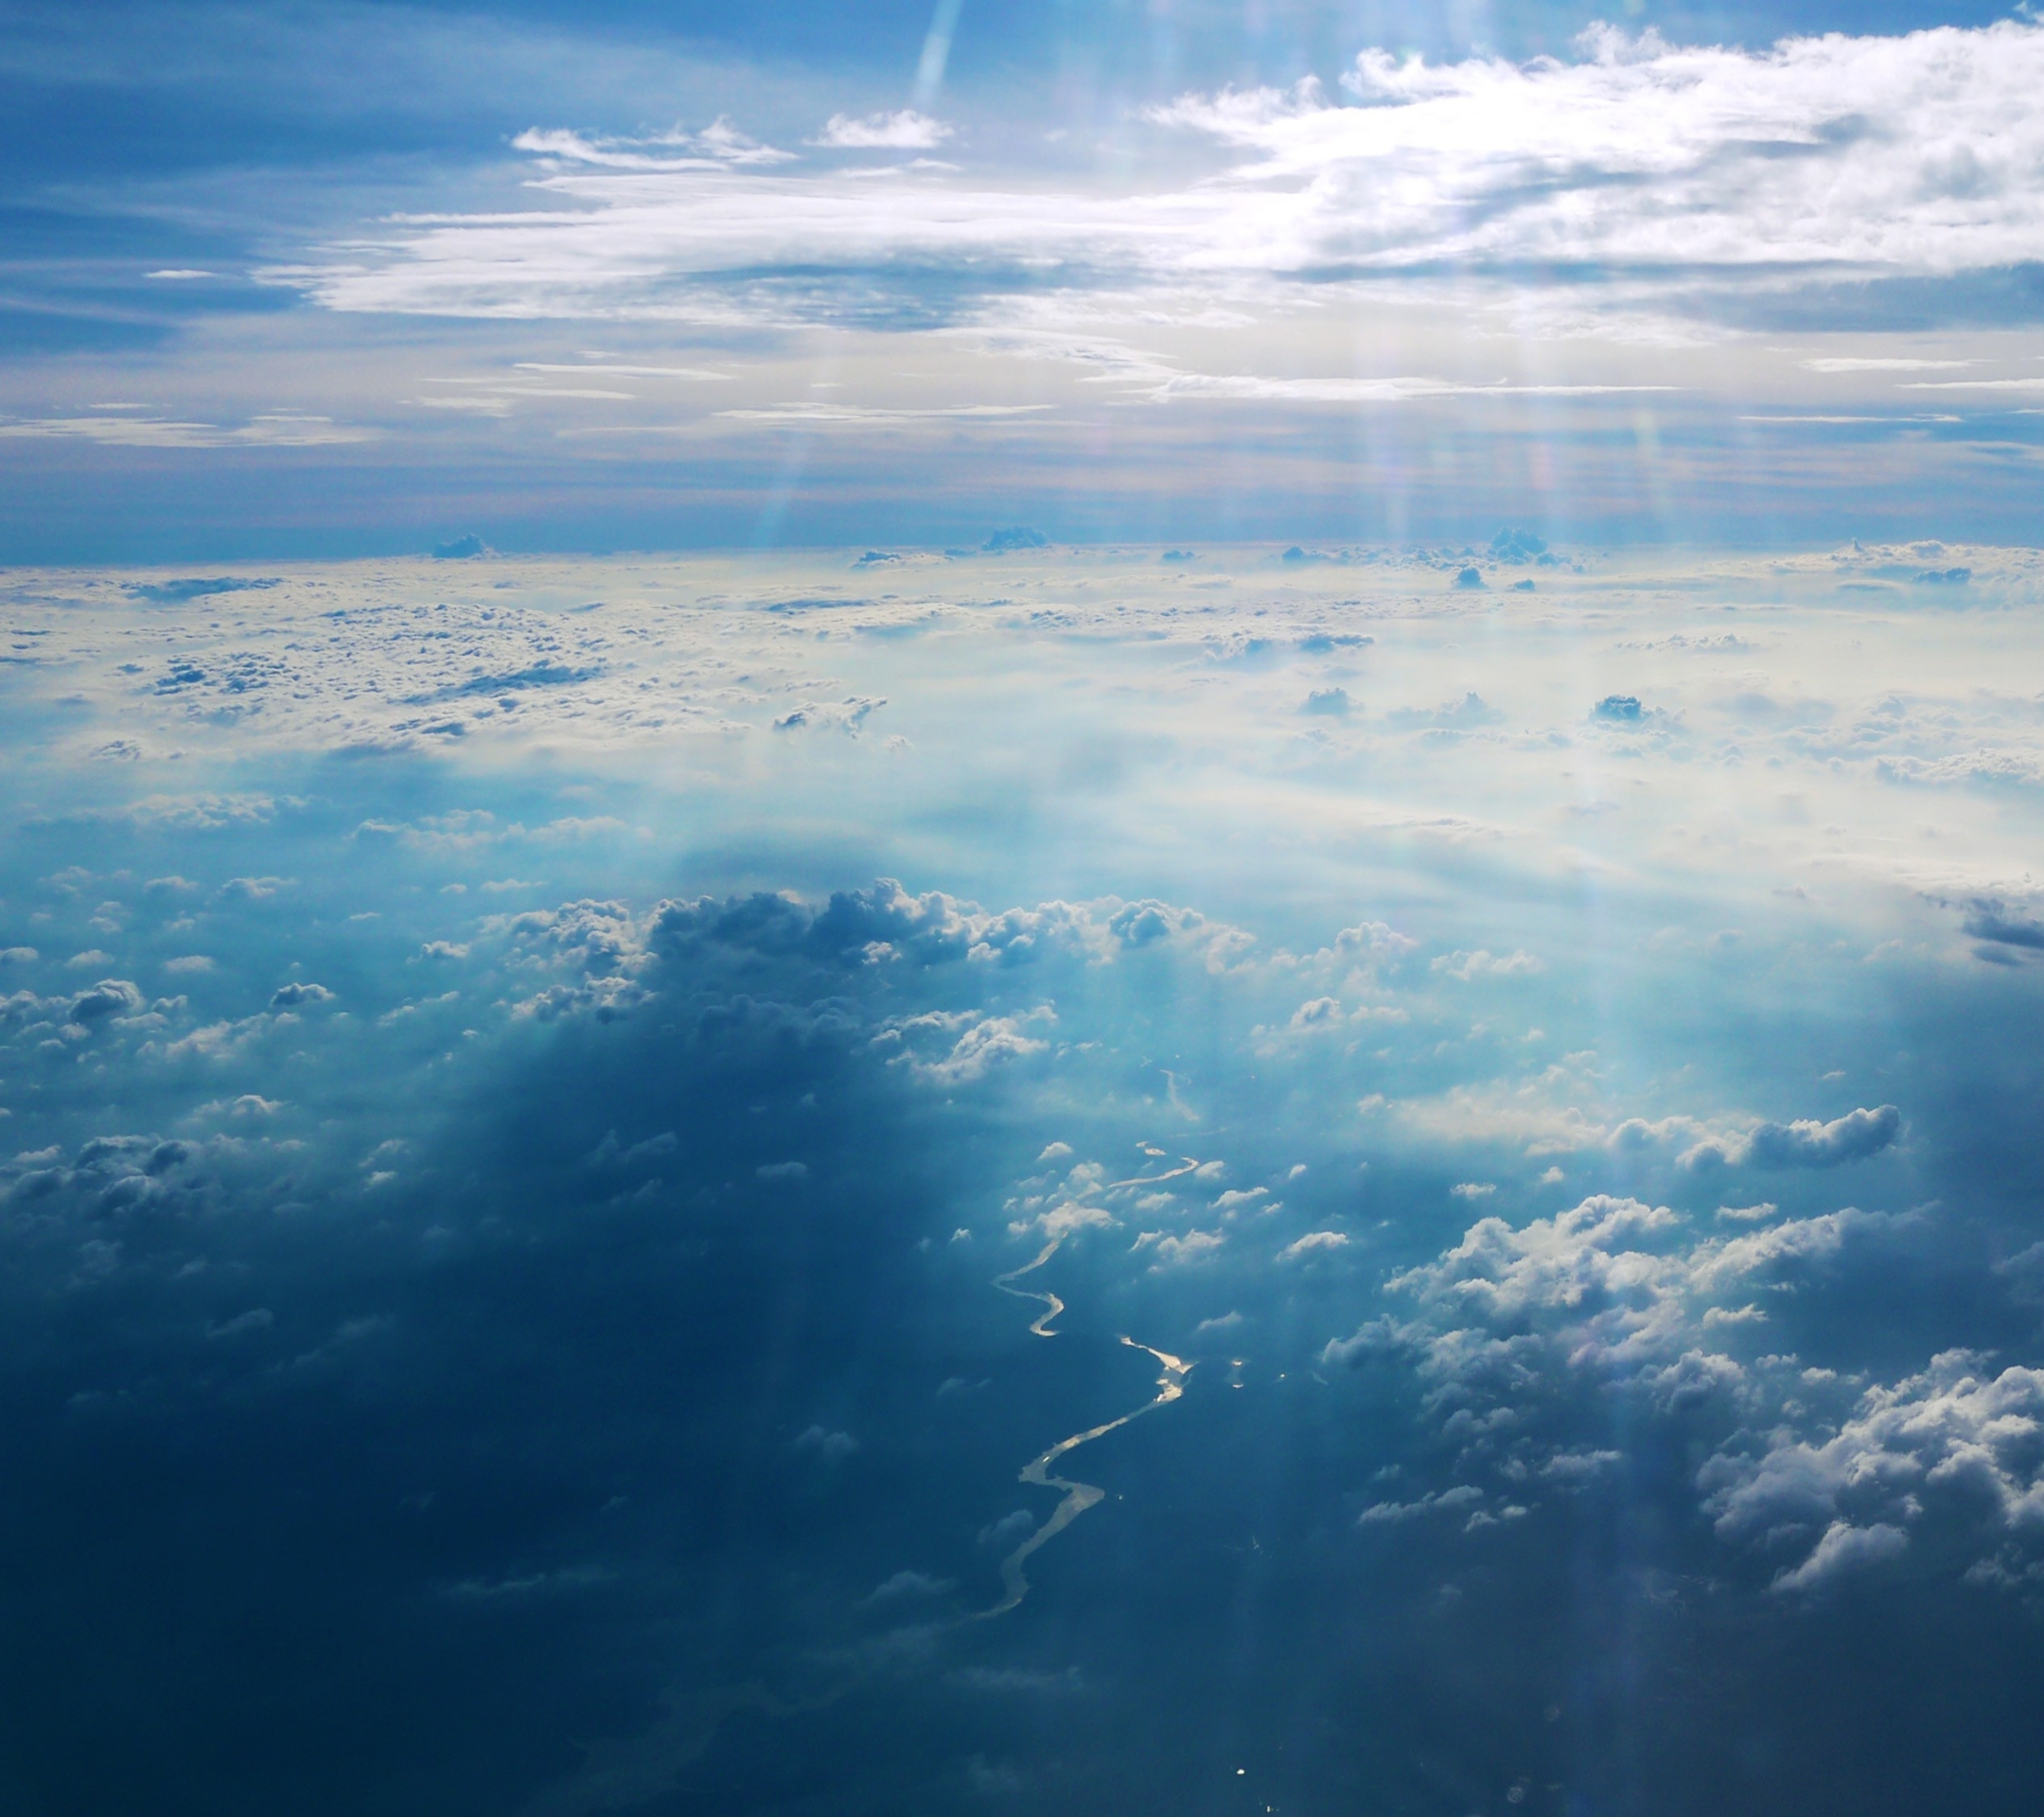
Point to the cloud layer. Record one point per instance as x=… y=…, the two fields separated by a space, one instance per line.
x=1654 y=173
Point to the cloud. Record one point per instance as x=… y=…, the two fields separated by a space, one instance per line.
x=296 y=996
x=175 y=592
x=1526 y=1331
x=719 y=145
x=1172 y=1251
x=281 y=429
x=978 y=1046
x=906 y=1586
x=1843 y=1550
x=1001 y=1534
x=905 y=131
x=1668 y=168
x=110 y=998
x=1446 y=1501
x=1805 y=1143
x=1312 y=1243
x=1468 y=967
x=820 y=1443
x=1066 y=1219
x=1847 y=362
x=260 y=1319
x=1953 y=1440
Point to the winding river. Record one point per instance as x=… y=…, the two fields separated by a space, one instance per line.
x=1077 y=1496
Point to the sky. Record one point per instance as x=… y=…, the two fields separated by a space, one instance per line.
x=320 y=280
x=959 y=910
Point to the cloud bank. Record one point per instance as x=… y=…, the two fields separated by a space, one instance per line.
x=1652 y=173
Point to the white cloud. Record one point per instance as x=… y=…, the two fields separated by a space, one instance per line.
x=1443 y=1501
x=1849 y=363
x=1952 y=1437
x=1677 y=167
x=1468 y=967
x=1312 y=1243
x=1195 y=1245
x=1659 y=155
x=278 y=429
x=979 y=1044
x=905 y=131
x=1522 y=1329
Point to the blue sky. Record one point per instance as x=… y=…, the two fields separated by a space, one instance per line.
x=340 y=279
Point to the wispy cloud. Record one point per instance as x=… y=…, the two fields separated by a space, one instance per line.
x=809 y=413
x=280 y=429
x=1638 y=172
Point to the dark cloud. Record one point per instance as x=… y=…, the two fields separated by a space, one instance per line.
x=1853 y=1136
x=111 y=997
x=175 y=592
x=1989 y=921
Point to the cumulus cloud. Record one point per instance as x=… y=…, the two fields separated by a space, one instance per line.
x=105 y=1001
x=1168 y=1250
x=1524 y=1331
x=1955 y=1441
x=1843 y=1550
x=967 y=1046
x=297 y=995
x=1805 y=1143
